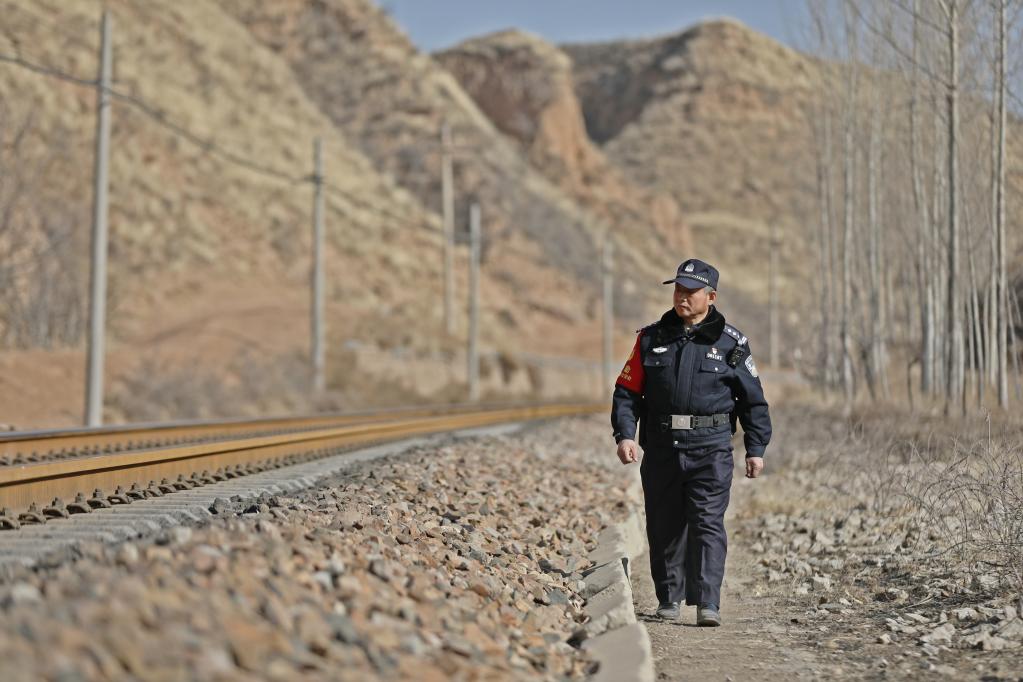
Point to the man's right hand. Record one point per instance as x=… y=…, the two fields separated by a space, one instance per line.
x=628 y=451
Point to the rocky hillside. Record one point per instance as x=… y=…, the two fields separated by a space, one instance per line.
x=719 y=116
x=714 y=116
x=392 y=101
x=209 y=258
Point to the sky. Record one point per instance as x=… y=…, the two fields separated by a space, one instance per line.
x=436 y=24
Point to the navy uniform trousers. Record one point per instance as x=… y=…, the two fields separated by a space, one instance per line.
x=686 y=493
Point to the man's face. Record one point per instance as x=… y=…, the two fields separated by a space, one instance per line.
x=692 y=303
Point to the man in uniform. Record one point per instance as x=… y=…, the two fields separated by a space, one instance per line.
x=689 y=378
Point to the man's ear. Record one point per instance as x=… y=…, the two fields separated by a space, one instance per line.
x=712 y=296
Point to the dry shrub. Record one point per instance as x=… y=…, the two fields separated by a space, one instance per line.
x=973 y=497
x=248 y=387
x=42 y=245
x=956 y=484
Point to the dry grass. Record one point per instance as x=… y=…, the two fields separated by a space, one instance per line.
x=973 y=496
x=954 y=487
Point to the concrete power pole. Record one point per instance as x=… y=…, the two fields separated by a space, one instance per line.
x=608 y=313
x=772 y=295
x=98 y=270
x=474 y=302
x=448 y=208
x=318 y=358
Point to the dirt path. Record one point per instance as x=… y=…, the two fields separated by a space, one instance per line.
x=827 y=580
x=758 y=639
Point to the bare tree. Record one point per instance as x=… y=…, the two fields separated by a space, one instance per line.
x=955 y=357
x=40 y=264
x=849 y=184
x=1000 y=292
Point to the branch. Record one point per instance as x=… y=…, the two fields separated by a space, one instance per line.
x=892 y=44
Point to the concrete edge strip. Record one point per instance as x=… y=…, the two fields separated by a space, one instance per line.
x=619 y=643
x=58 y=541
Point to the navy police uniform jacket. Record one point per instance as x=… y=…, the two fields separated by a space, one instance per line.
x=672 y=371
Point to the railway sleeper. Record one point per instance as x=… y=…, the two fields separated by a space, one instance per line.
x=79 y=505
x=8 y=522
x=32 y=515
x=133 y=493
x=56 y=510
x=98 y=500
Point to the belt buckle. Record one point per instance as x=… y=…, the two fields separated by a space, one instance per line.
x=683 y=422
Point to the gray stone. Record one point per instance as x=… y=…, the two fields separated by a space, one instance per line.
x=939 y=636
x=610 y=609
x=606 y=553
x=623 y=655
x=23 y=593
x=597 y=579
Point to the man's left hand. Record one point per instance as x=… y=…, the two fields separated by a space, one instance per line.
x=754 y=465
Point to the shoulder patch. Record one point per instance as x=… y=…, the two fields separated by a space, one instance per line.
x=736 y=334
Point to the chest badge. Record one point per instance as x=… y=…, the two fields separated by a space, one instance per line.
x=660 y=349
x=714 y=354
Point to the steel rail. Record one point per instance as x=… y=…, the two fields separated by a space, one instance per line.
x=23 y=485
x=27 y=447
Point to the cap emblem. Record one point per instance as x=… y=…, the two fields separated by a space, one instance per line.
x=689 y=268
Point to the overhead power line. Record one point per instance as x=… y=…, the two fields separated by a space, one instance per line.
x=204 y=143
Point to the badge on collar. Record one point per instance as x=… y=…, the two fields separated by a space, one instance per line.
x=659 y=349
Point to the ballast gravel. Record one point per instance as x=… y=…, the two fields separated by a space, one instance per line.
x=453 y=562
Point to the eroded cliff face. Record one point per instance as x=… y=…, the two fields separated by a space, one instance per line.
x=525 y=87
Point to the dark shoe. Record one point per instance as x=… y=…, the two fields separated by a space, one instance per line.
x=707 y=616
x=667 y=610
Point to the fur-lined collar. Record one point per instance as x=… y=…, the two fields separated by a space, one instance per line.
x=708 y=331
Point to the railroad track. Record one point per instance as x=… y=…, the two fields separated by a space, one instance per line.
x=48 y=475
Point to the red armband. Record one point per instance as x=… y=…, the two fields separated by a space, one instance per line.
x=632 y=375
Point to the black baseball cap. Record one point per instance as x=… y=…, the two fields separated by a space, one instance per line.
x=694 y=274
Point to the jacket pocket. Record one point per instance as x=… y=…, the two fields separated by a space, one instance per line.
x=660 y=378
x=715 y=366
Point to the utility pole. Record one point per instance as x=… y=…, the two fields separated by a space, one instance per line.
x=98 y=269
x=608 y=312
x=772 y=294
x=318 y=360
x=474 y=302
x=448 y=209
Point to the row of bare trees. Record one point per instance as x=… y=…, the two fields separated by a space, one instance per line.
x=911 y=125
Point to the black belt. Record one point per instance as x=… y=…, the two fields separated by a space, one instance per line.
x=687 y=422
